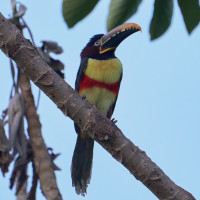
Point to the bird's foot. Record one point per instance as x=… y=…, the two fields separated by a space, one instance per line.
x=83 y=97
x=114 y=120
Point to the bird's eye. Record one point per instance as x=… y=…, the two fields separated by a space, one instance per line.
x=97 y=43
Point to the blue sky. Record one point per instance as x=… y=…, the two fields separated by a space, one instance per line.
x=158 y=106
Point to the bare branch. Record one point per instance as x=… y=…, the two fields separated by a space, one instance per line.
x=87 y=116
x=42 y=161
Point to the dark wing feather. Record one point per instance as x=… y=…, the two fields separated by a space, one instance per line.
x=112 y=107
x=80 y=73
x=79 y=78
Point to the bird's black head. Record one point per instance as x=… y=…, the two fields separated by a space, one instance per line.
x=103 y=47
x=92 y=49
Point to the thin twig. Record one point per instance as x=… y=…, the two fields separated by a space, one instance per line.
x=29 y=30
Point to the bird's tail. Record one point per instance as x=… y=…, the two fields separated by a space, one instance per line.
x=81 y=167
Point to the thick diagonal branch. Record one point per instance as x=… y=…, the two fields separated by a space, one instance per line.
x=87 y=116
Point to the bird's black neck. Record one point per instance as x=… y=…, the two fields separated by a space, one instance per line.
x=105 y=56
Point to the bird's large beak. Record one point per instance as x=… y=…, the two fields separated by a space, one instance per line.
x=113 y=38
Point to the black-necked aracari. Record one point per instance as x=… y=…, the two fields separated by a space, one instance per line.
x=98 y=80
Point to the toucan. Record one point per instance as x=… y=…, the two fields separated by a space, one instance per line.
x=98 y=80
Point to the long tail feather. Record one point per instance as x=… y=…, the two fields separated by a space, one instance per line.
x=81 y=168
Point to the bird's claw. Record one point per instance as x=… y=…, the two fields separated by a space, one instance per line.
x=114 y=120
x=83 y=97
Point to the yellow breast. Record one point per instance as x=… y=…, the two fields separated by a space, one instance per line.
x=99 y=97
x=107 y=71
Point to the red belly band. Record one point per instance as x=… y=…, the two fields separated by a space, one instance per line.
x=88 y=82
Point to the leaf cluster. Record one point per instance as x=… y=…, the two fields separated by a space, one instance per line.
x=121 y=10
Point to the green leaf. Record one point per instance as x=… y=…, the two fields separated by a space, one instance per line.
x=120 y=11
x=191 y=13
x=162 y=16
x=75 y=10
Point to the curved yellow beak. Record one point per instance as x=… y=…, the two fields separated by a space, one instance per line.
x=113 y=38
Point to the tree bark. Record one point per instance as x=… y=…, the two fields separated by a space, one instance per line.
x=42 y=159
x=106 y=133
